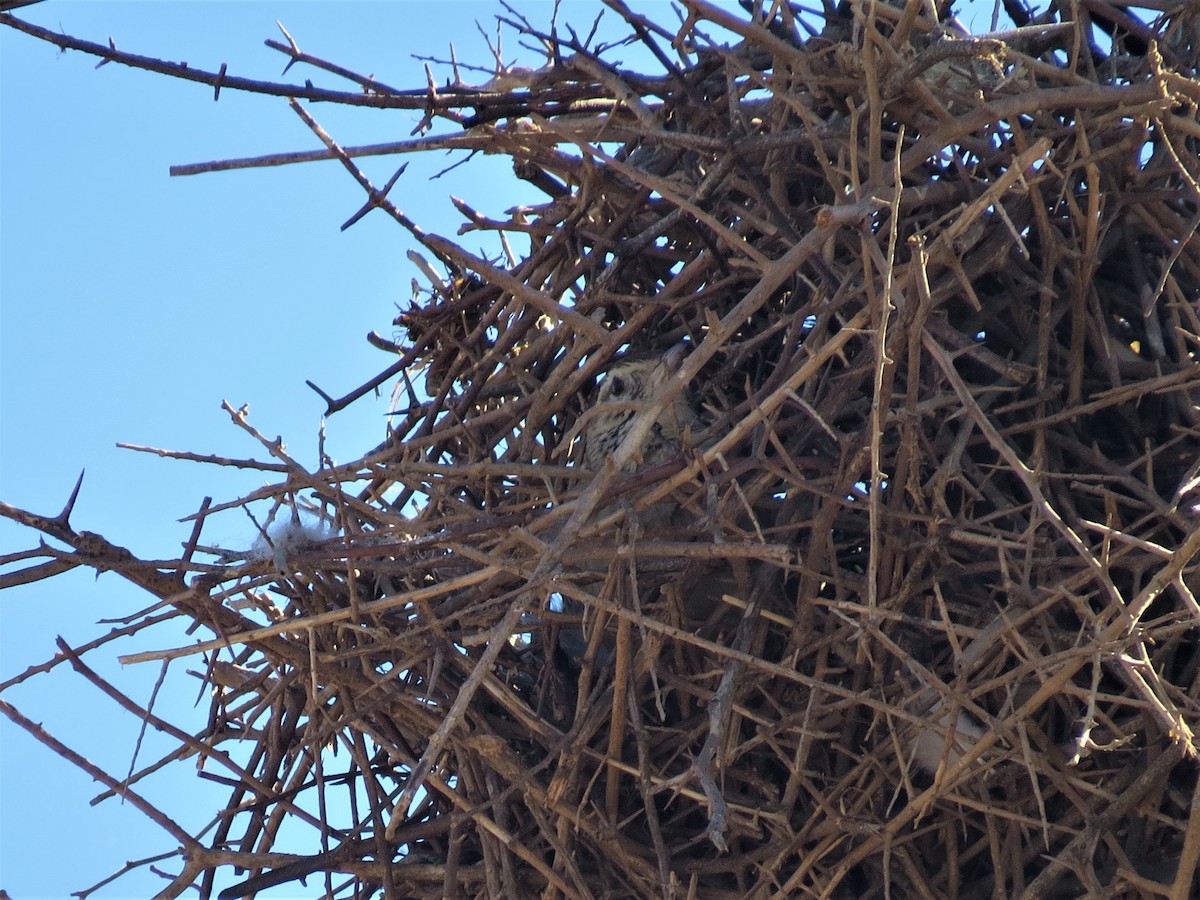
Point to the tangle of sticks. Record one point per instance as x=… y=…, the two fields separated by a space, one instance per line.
x=921 y=620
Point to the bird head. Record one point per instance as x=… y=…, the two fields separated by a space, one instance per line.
x=629 y=387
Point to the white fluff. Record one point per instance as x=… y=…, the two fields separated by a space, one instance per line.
x=283 y=539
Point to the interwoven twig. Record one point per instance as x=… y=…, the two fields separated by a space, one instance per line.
x=924 y=621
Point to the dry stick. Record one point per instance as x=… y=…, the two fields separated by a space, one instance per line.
x=720 y=705
x=168 y=825
x=1027 y=477
x=497 y=640
x=751 y=31
x=198 y=519
x=417 y=99
x=1047 y=100
x=482 y=137
x=646 y=787
x=1052 y=686
x=1189 y=857
x=448 y=250
x=296 y=471
x=616 y=84
x=326 y=618
x=346 y=857
x=622 y=694
x=187 y=740
x=871 y=52
x=578 y=323
x=1136 y=668
x=206 y=458
x=412 y=100
x=884 y=362
x=292 y=49
x=39 y=572
x=668 y=190
x=476 y=139
x=1182 y=379
x=84 y=649
x=333 y=405
x=944 y=244
x=1124 y=803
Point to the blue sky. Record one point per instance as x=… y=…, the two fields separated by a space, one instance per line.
x=132 y=304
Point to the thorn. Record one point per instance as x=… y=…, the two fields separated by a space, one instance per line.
x=189 y=548
x=412 y=394
x=220 y=81
x=329 y=401
x=291 y=43
x=112 y=45
x=375 y=198
x=362 y=211
x=454 y=67
x=64 y=517
x=392 y=183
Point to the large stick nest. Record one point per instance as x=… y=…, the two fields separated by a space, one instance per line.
x=921 y=619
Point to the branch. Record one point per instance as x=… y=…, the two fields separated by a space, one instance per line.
x=218 y=80
x=134 y=798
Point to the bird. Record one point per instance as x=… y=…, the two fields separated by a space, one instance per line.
x=626 y=390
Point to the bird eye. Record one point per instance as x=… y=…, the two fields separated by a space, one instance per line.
x=618 y=386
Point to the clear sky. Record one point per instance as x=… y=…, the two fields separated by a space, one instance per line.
x=132 y=304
